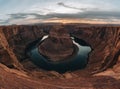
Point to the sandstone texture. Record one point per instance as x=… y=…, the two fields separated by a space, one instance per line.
x=102 y=71
x=58 y=45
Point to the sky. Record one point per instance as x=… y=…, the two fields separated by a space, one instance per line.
x=63 y=11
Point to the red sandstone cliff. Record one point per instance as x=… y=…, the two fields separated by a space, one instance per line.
x=104 y=40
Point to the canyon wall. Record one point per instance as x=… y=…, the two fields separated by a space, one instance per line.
x=104 y=40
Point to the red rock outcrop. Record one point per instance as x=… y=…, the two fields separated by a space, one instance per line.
x=58 y=45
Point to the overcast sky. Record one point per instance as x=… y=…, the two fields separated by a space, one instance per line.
x=41 y=11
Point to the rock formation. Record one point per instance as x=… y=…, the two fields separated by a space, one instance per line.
x=58 y=45
x=105 y=58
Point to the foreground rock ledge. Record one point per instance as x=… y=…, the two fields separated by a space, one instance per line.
x=14 y=79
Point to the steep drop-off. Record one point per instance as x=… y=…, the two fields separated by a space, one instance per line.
x=104 y=59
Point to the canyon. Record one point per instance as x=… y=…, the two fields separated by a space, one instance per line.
x=101 y=72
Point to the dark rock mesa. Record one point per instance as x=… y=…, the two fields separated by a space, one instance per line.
x=58 y=45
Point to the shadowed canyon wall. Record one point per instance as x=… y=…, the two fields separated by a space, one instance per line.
x=104 y=41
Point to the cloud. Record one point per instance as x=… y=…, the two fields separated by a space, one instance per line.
x=87 y=8
x=71 y=7
x=4 y=22
x=87 y=14
x=107 y=16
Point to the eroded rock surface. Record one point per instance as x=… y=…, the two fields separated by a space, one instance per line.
x=14 y=79
x=58 y=45
x=104 y=40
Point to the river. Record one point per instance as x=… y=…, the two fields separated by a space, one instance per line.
x=78 y=61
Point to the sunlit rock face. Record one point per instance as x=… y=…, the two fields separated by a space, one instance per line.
x=57 y=46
